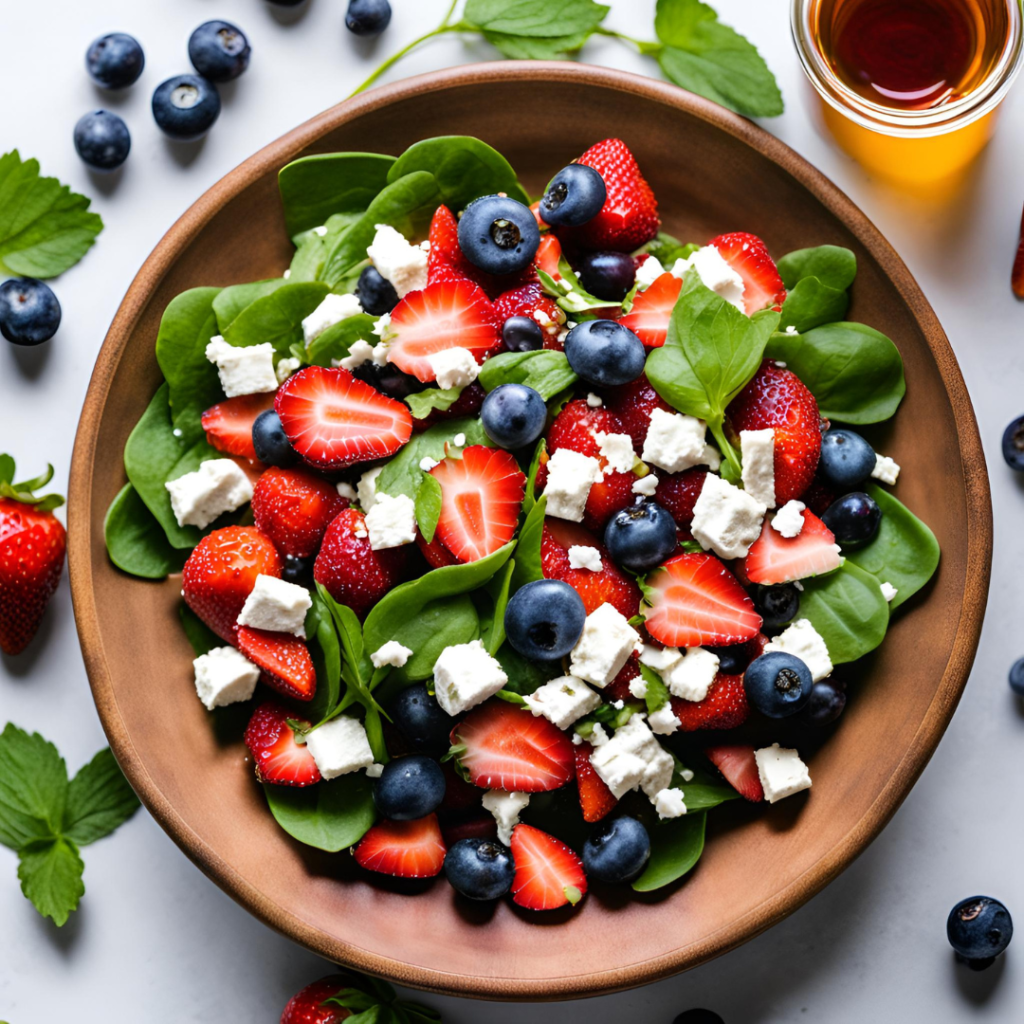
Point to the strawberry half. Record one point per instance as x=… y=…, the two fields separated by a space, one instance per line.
x=695 y=602
x=739 y=767
x=725 y=707
x=596 y=799
x=481 y=496
x=228 y=424
x=748 y=256
x=652 y=310
x=283 y=658
x=632 y=405
x=502 y=746
x=334 y=420
x=548 y=874
x=294 y=508
x=776 y=559
x=276 y=754
x=403 y=849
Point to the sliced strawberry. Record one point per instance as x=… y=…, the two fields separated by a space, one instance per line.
x=695 y=601
x=505 y=747
x=276 y=754
x=228 y=424
x=221 y=572
x=530 y=301
x=596 y=799
x=776 y=559
x=632 y=404
x=549 y=252
x=436 y=554
x=334 y=420
x=481 y=497
x=293 y=507
x=652 y=310
x=468 y=403
x=404 y=849
x=283 y=658
x=725 y=707
x=479 y=826
x=738 y=766
x=548 y=874
x=678 y=492
x=748 y=256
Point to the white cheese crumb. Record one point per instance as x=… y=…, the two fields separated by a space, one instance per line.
x=583 y=556
x=459 y=440
x=691 y=677
x=331 y=311
x=403 y=264
x=789 y=520
x=594 y=401
x=781 y=771
x=391 y=522
x=276 y=605
x=243 y=370
x=375 y=771
x=649 y=272
x=669 y=803
x=638 y=687
x=570 y=477
x=391 y=653
x=758 y=450
x=604 y=646
x=346 y=490
x=803 y=641
x=664 y=721
x=453 y=367
x=367 y=488
x=715 y=273
x=646 y=485
x=616 y=450
x=360 y=352
x=216 y=487
x=888 y=591
x=726 y=520
x=285 y=368
x=427 y=463
x=339 y=747
x=224 y=676
x=466 y=675
x=885 y=470
x=562 y=701
x=506 y=808
x=674 y=441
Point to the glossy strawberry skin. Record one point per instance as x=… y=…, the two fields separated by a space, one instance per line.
x=276 y=755
x=725 y=707
x=307 y=1006
x=678 y=492
x=596 y=800
x=530 y=300
x=748 y=256
x=632 y=405
x=228 y=424
x=284 y=660
x=294 y=507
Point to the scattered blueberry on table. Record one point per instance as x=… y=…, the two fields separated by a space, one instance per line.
x=1013 y=444
x=102 y=140
x=115 y=61
x=219 y=51
x=575 y=195
x=1017 y=677
x=979 y=929
x=368 y=17
x=186 y=106
x=698 y=1016
x=499 y=234
x=29 y=311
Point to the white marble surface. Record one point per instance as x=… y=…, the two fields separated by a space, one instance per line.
x=153 y=934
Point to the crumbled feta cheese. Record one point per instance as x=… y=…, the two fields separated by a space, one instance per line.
x=466 y=675
x=320 y=231
x=674 y=441
x=346 y=490
x=375 y=771
x=331 y=311
x=542 y=318
x=888 y=591
x=380 y=353
x=453 y=367
x=583 y=556
x=506 y=808
x=277 y=605
x=339 y=747
x=711 y=458
x=886 y=470
x=646 y=485
x=633 y=758
x=726 y=520
x=287 y=274
x=714 y=273
x=562 y=701
x=758 y=450
x=604 y=646
x=790 y=330
x=661 y=659
x=359 y=352
x=366 y=489
x=616 y=450
x=224 y=676
x=392 y=653
x=382 y=327
x=594 y=401
x=782 y=772
x=216 y=487
x=789 y=520
x=359 y=530
x=243 y=371
x=403 y=264
x=664 y=721
x=669 y=803
x=649 y=272
x=459 y=440
x=570 y=477
x=391 y=522
x=638 y=687
x=427 y=463
x=803 y=641
x=686 y=775
x=577 y=739
x=691 y=677
x=285 y=368
x=598 y=737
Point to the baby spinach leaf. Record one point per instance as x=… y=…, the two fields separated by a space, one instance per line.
x=854 y=372
x=308 y=260
x=811 y=303
x=135 y=540
x=492 y=620
x=200 y=636
x=524 y=675
x=666 y=249
x=832 y=265
x=848 y=610
x=568 y=292
x=326 y=651
x=277 y=318
x=428 y=506
x=676 y=846
x=423 y=403
x=546 y=371
x=236 y=297
x=530 y=491
x=335 y=342
x=528 y=563
x=657 y=692
x=904 y=552
x=331 y=816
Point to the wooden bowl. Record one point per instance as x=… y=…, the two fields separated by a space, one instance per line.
x=712 y=172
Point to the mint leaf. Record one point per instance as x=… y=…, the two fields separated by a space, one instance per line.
x=675 y=21
x=545 y=19
x=50 y=872
x=534 y=47
x=99 y=800
x=33 y=781
x=45 y=228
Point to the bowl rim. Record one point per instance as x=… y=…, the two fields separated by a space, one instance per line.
x=82 y=530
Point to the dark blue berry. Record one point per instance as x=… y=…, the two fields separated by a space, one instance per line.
x=698 y=1017
x=29 y=311
x=846 y=459
x=480 y=869
x=1017 y=677
x=186 y=106
x=1013 y=444
x=102 y=140
x=617 y=850
x=777 y=605
x=368 y=17
x=544 y=619
x=115 y=61
x=853 y=518
x=979 y=929
x=424 y=724
x=522 y=334
x=778 y=684
x=376 y=294
x=732 y=660
x=513 y=416
x=640 y=537
x=608 y=275
x=388 y=380
x=605 y=353
x=575 y=195
x=297 y=570
x=409 y=788
x=499 y=235
x=270 y=441
x=825 y=704
x=219 y=50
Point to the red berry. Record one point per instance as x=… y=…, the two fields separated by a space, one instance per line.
x=548 y=874
x=277 y=756
x=228 y=424
x=652 y=309
x=403 y=849
x=284 y=660
x=293 y=507
x=748 y=256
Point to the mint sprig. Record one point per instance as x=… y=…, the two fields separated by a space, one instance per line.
x=45 y=818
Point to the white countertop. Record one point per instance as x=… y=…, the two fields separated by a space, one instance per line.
x=157 y=938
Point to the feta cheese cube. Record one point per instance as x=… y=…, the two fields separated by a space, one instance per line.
x=691 y=677
x=506 y=808
x=366 y=489
x=583 y=556
x=649 y=272
x=758 y=450
x=562 y=701
x=276 y=605
x=715 y=274
x=803 y=641
x=331 y=311
x=391 y=522
x=661 y=659
x=243 y=371
x=789 y=520
x=216 y=487
x=888 y=591
x=339 y=747
x=285 y=368
x=711 y=458
x=359 y=352
x=427 y=463
x=570 y=477
x=375 y=771
x=663 y=721
x=674 y=441
x=646 y=485
x=224 y=676
x=453 y=367
x=466 y=675
x=598 y=737
x=403 y=264
x=886 y=470
x=633 y=758
x=782 y=772
x=594 y=401
x=638 y=687
x=669 y=803
x=604 y=646
x=392 y=653
x=726 y=520
x=346 y=490
x=616 y=450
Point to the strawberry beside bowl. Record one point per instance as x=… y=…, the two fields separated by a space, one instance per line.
x=712 y=172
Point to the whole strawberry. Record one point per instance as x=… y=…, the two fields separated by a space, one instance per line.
x=309 y=1007
x=294 y=507
x=32 y=545
x=341 y=996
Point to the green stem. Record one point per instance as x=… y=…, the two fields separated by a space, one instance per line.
x=642 y=45
x=728 y=451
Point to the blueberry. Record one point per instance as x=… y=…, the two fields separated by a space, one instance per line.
x=608 y=275
x=544 y=619
x=499 y=235
x=778 y=684
x=846 y=459
x=186 y=106
x=513 y=415
x=480 y=869
x=388 y=380
x=219 y=50
x=853 y=518
x=102 y=140
x=1017 y=677
x=605 y=353
x=115 y=61
x=616 y=850
x=825 y=704
x=575 y=195
x=376 y=294
x=732 y=660
x=270 y=441
x=297 y=570
x=368 y=17
x=979 y=929
x=522 y=334
x=1013 y=444
x=29 y=311
x=698 y=1017
x=421 y=720
x=641 y=537
x=409 y=787
x=777 y=605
